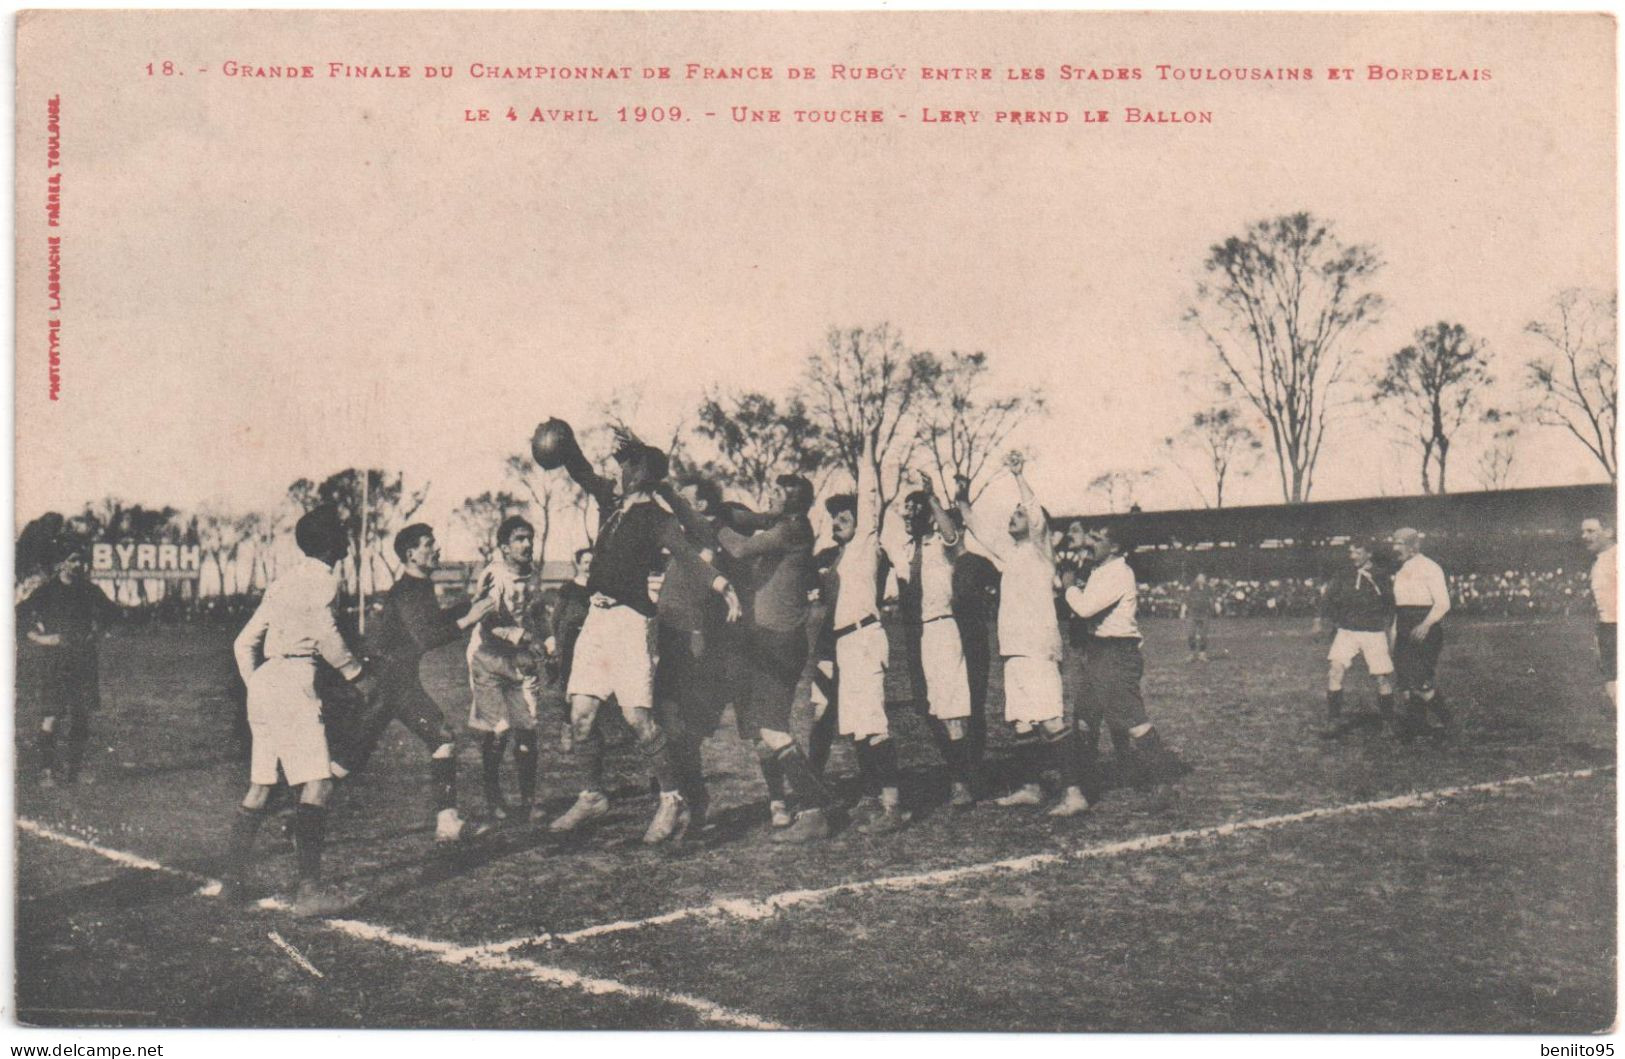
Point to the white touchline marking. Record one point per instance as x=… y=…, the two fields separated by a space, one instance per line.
x=445 y=952
x=294 y=954
x=766 y=907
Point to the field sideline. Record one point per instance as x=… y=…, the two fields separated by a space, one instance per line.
x=1296 y=886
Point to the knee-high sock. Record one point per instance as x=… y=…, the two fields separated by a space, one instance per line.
x=1064 y=757
x=78 y=737
x=309 y=836
x=47 y=745
x=525 y=762
x=443 y=781
x=240 y=847
x=821 y=739
x=1334 y=704
x=1090 y=777
x=690 y=764
x=957 y=754
x=1385 y=705
x=656 y=751
x=809 y=789
x=590 y=753
x=1132 y=764
x=772 y=773
x=1153 y=757
x=868 y=772
x=885 y=760
x=491 y=749
x=1029 y=755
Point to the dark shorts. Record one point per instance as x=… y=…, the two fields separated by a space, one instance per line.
x=1415 y=664
x=1608 y=648
x=63 y=682
x=1107 y=674
x=408 y=701
x=768 y=666
x=690 y=676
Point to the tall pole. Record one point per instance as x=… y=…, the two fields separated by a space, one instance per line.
x=361 y=547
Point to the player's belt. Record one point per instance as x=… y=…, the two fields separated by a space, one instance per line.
x=861 y=623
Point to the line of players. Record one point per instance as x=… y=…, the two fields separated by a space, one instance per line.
x=747 y=615
x=745 y=611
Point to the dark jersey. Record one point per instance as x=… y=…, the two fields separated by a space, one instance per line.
x=413 y=623
x=633 y=534
x=569 y=614
x=1360 y=600
x=76 y=612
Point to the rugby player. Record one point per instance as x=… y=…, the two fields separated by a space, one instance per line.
x=278 y=651
x=1598 y=535
x=936 y=656
x=61 y=622
x=613 y=656
x=503 y=676
x=1358 y=606
x=1113 y=666
x=411 y=625
x=1030 y=644
x=773 y=647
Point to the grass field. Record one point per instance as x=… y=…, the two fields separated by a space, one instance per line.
x=1479 y=904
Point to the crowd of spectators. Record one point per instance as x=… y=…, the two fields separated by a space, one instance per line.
x=1508 y=594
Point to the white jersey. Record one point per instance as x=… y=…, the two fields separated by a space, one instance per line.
x=515 y=593
x=1420 y=582
x=1605 y=585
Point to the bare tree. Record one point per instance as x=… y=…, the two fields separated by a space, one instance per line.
x=962 y=426
x=865 y=383
x=1578 y=388
x=1219 y=441
x=757 y=439
x=221 y=536
x=1118 y=488
x=547 y=490
x=482 y=515
x=1431 y=389
x=1279 y=307
x=1495 y=462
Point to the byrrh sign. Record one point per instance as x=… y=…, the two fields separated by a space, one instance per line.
x=129 y=560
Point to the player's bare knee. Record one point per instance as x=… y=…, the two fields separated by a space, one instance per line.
x=774 y=740
x=1054 y=726
x=957 y=729
x=1024 y=727
x=257 y=798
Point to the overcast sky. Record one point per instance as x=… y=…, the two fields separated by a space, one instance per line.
x=268 y=280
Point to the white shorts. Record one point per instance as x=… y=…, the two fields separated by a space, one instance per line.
x=1349 y=644
x=860 y=673
x=942 y=657
x=503 y=695
x=285 y=720
x=613 y=657
x=1032 y=689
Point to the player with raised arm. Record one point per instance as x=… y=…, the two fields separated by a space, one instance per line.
x=292 y=631
x=862 y=651
x=1030 y=644
x=936 y=655
x=412 y=624
x=772 y=647
x=614 y=655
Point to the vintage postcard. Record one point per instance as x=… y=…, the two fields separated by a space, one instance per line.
x=1051 y=521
